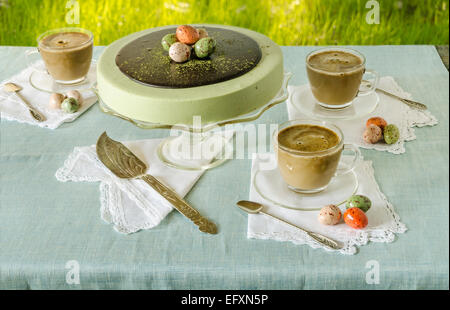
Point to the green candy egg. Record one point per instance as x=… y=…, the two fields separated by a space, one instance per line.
x=359 y=201
x=391 y=134
x=168 y=40
x=70 y=105
x=204 y=47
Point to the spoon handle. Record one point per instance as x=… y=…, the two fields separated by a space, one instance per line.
x=328 y=242
x=34 y=113
x=411 y=103
x=325 y=240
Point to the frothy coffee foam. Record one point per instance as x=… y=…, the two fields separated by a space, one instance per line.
x=334 y=61
x=308 y=138
x=65 y=40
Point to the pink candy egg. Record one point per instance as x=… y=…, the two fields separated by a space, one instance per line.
x=55 y=101
x=372 y=134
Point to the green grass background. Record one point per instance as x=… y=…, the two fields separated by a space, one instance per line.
x=295 y=22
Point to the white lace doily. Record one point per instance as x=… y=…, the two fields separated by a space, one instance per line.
x=384 y=223
x=12 y=109
x=130 y=205
x=391 y=109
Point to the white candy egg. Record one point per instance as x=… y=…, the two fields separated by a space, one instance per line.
x=179 y=52
x=329 y=215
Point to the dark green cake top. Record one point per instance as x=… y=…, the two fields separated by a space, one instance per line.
x=145 y=61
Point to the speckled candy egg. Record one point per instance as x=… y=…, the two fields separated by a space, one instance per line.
x=378 y=121
x=75 y=94
x=70 y=105
x=168 y=40
x=355 y=218
x=372 y=134
x=180 y=52
x=204 y=47
x=55 y=101
x=187 y=34
x=329 y=215
x=359 y=201
x=391 y=134
x=202 y=33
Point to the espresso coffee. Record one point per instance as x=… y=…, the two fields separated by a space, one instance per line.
x=303 y=159
x=335 y=76
x=307 y=138
x=67 y=55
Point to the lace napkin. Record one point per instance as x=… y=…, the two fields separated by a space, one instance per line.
x=130 y=205
x=12 y=109
x=384 y=223
x=391 y=109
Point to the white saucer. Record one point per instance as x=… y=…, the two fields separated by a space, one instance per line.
x=270 y=185
x=304 y=101
x=44 y=82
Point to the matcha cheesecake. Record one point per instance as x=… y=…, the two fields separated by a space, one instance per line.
x=142 y=77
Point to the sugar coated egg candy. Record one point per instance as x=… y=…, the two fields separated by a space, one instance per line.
x=378 y=121
x=202 y=33
x=204 y=47
x=75 y=94
x=391 y=134
x=55 y=101
x=329 y=215
x=372 y=134
x=70 y=105
x=187 y=34
x=180 y=52
x=168 y=40
x=355 y=218
x=359 y=201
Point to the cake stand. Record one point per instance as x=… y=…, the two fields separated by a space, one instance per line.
x=189 y=146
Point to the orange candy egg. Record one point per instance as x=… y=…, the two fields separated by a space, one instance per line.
x=378 y=121
x=187 y=34
x=355 y=218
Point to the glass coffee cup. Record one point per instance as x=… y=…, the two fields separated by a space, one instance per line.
x=336 y=74
x=66 y=52
x=309 y=154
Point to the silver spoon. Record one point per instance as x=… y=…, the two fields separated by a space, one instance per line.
x=14 y=88
x=255 y=208
x=411 y=103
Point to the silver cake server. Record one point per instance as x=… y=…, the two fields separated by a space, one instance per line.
x=126 y=165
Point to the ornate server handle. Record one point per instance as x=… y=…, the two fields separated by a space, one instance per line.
x=182 y=206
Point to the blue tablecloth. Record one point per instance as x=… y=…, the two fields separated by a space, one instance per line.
x=45 y=223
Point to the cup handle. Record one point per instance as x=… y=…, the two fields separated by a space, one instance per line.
x=373 y=85
x=357 y=156
x=31 y=60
